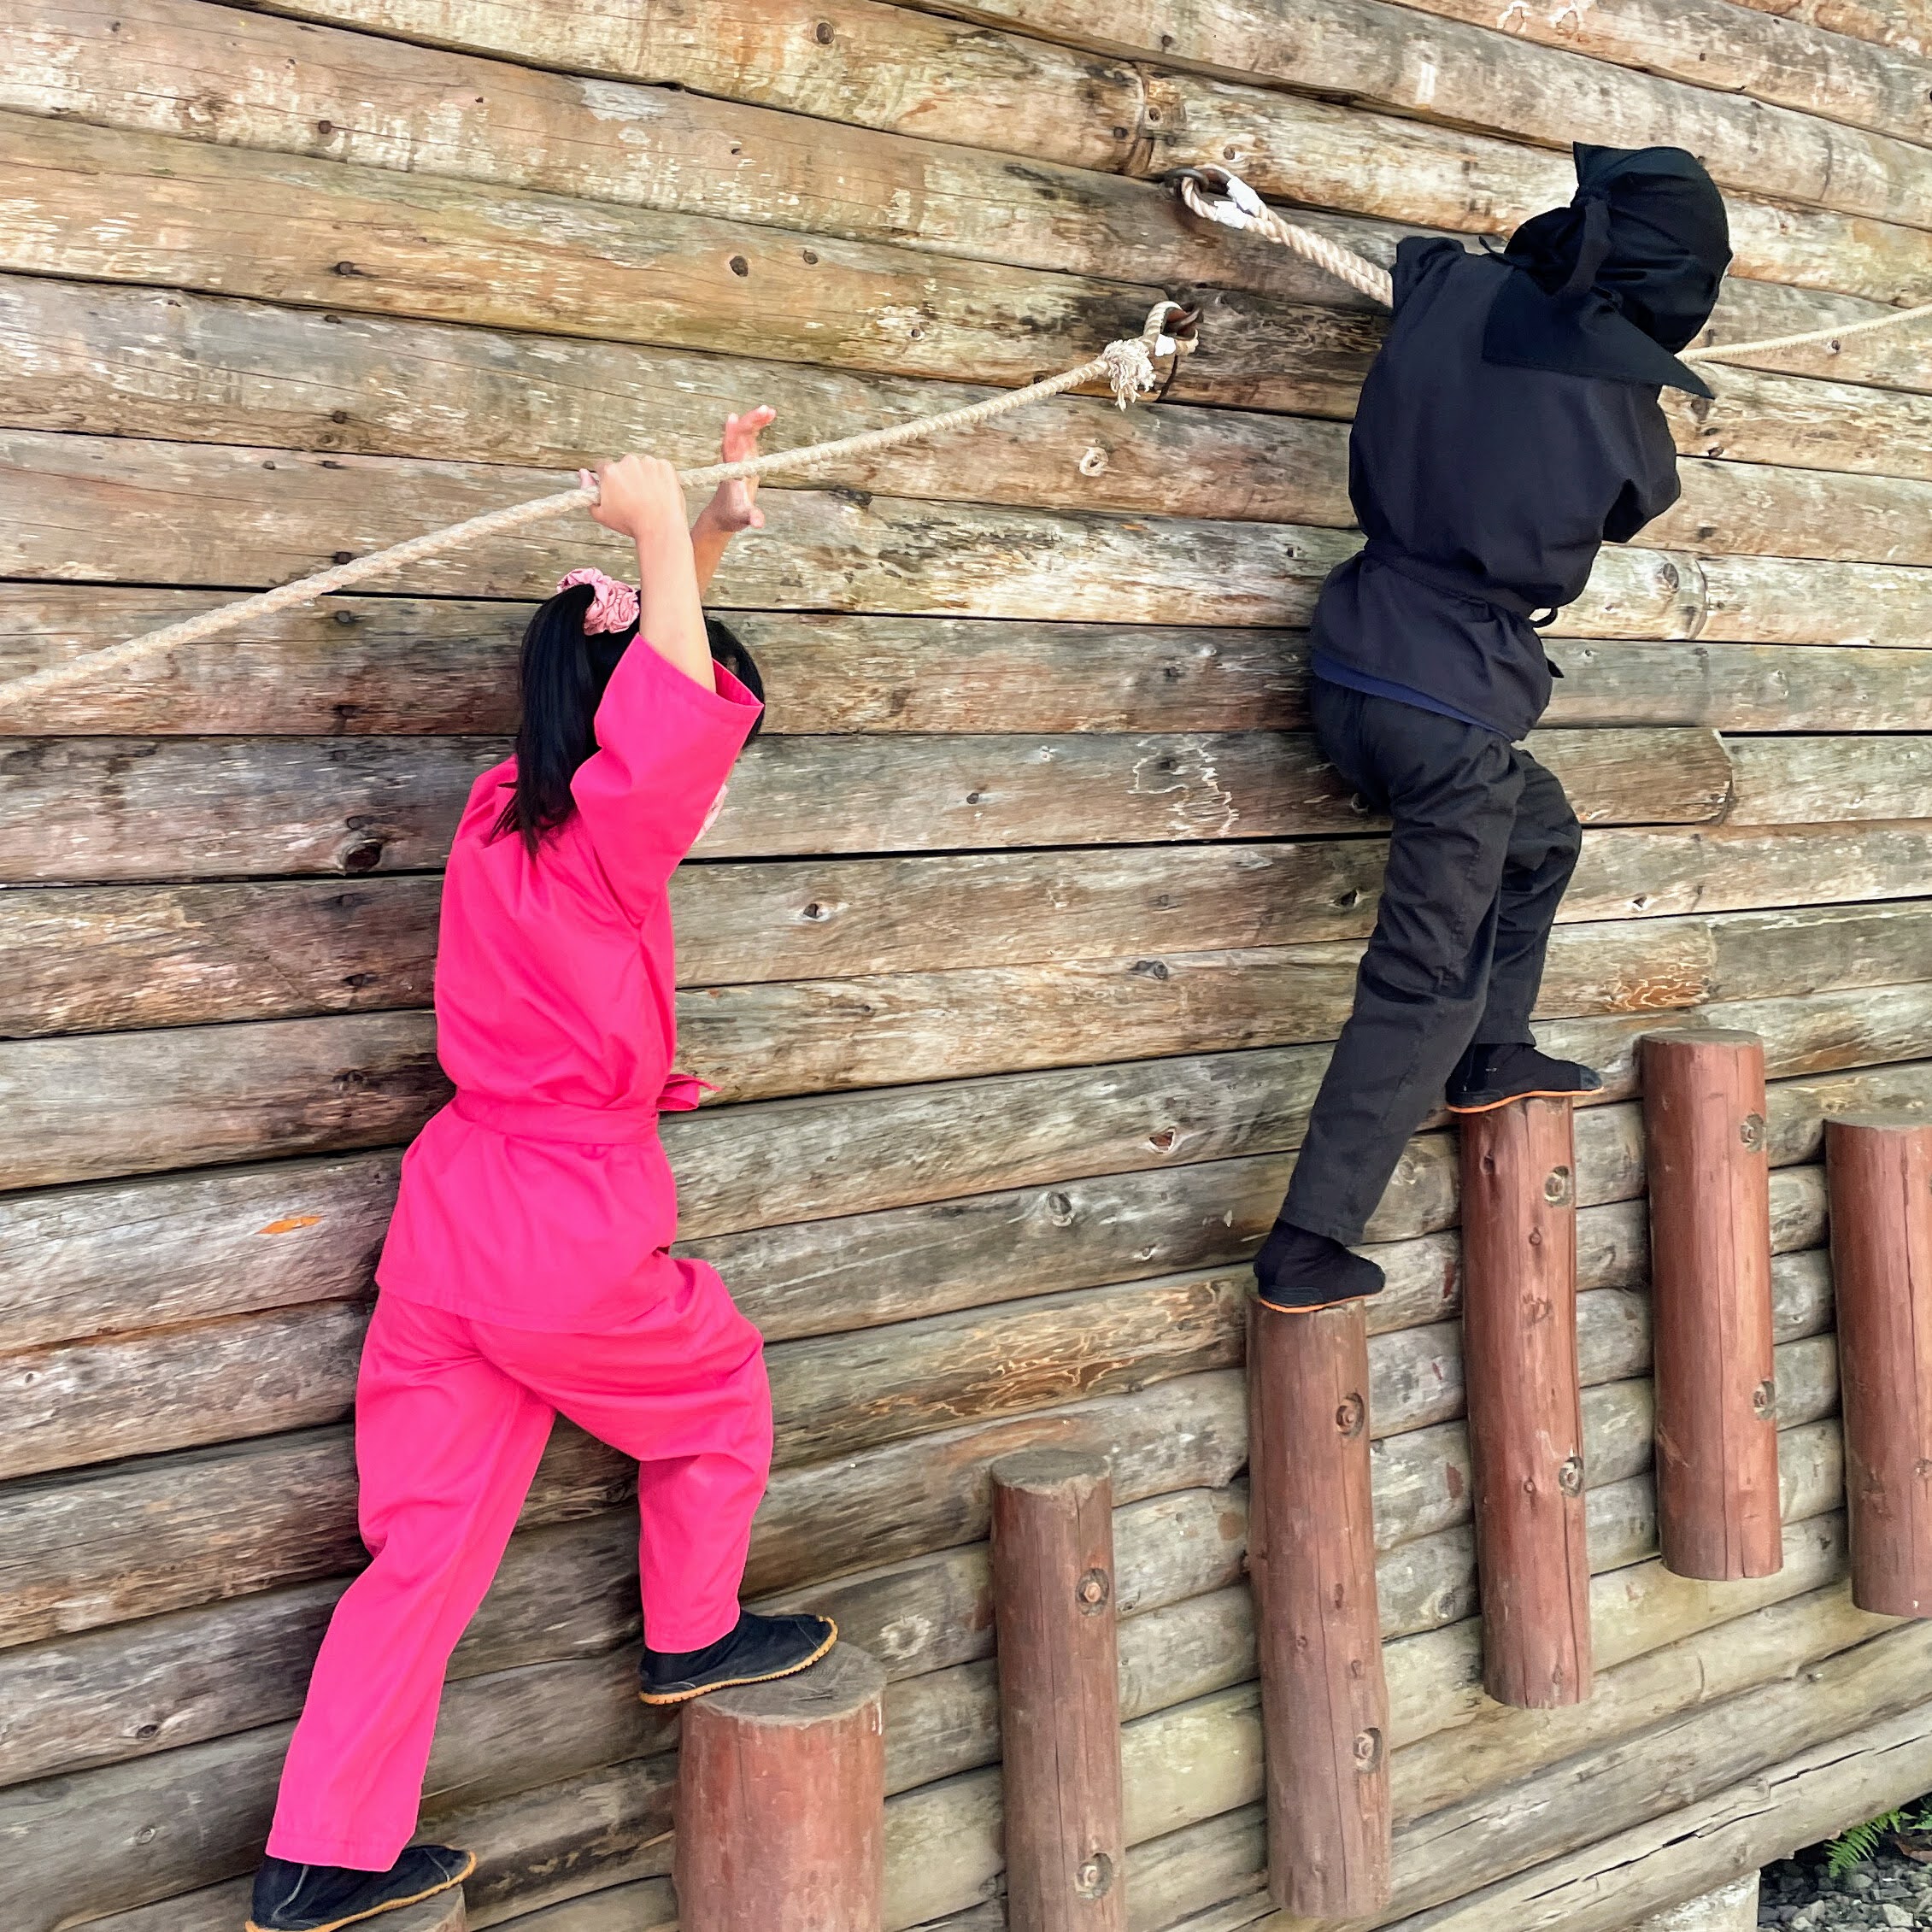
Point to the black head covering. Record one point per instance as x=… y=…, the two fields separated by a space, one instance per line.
x=1617 y=282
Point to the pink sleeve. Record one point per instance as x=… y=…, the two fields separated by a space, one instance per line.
x=665 y=748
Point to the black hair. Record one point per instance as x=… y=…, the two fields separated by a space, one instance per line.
x=561 y=675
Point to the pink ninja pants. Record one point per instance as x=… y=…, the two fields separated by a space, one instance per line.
x=451 y=1417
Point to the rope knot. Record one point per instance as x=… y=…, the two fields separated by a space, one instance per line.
x=1130 y=362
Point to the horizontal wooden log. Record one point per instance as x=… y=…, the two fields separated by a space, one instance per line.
x=1845 y=1776
x=87 y=960
x=1789 y=156
x=346 y=96
x=341 y=234
x=172 y=512
x=1803 y=779
x=1363 y=50
x=95 y=808
x=1904 y=24
x=390 y=666
x=138 y=362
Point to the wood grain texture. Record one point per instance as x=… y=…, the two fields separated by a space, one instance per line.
x=1881 y=1177
x=781 y=1793
x=1054 y=1613
x=1525 y=1407
x=1311 y=1559
x=1717 y=1390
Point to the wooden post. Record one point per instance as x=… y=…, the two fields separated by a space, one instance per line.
x=443 y=1914
x=1880 y=1169
x=1060 y=1691
x=1525 y=1406
x=1311 y=1553
x=781 y=1803
x=1710 y=1303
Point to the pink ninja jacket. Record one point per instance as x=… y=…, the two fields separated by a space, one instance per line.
x=540 y=1197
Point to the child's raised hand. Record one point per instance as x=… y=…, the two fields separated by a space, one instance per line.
x=734 y=507
x=639 y=497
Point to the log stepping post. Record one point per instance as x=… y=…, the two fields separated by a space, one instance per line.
x=1525 y=1404
x=1310 y=1553
x=1879 y=1170
x=443 y=1914
x=1718 y=1503
x=1060 y=1691
x=781 y=1803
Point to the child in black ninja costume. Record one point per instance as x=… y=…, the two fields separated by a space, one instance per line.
x=1510 y=426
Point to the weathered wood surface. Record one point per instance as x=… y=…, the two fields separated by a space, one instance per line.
x=781 y=1793
x=1311 y=1563
x=1709 y=1184
x=341 y=234
x=1054 y=1608
x=1520 y=1355
x=372 y=1078
x=157 y=1253
x=104 y=808
x=133 y=362
x=1768 y=1815
x=1880 y=1179
x=390 y=666
x=1351 y=49
x=1904 y=24
x=88 y=960
x=185 y=513
x=1366 y=52
x=344 y=97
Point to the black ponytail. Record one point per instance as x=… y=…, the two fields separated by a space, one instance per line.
x=562 y=674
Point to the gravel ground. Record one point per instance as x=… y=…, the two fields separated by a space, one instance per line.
x=1888 y=1892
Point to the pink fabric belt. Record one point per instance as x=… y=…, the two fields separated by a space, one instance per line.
x=595 y=1126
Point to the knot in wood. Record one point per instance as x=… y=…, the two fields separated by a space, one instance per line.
x=1569 y=1476
x=1368 y=1751
x=1751 y=1131
x=1560 y=1187
x=1094 y=1879
x=1351 y=1415
x=1763 y=1400
x=1093 y=1591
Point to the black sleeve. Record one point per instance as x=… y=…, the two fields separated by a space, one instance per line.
x=1652 y=486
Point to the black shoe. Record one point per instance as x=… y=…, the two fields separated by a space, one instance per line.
x=1296 y=1271
x=1487 y=1077
x=318 y=1898
x=761 y=1649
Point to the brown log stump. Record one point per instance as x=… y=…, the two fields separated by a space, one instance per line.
x=1880 y=1169
x=1060 y=1691
x=1710 y=1303
x=1310 y=1553
x=1525 y=1404
x=781 y=1803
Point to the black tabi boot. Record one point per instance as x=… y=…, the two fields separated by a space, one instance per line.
x=1487 y=1077
x=318 y=1898
x=761 y=1649
x=1296 y=1271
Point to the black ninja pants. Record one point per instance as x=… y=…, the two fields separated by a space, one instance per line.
x=1483 y=845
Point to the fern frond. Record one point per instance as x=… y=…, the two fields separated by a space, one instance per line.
x=1855 y=1846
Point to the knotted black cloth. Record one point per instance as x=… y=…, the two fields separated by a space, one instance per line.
x=1614 y=284
x=1509 y=427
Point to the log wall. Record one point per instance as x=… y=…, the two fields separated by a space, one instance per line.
x=1015 y=954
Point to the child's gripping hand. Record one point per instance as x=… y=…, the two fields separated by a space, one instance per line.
x=735 y=506
x=639 y=497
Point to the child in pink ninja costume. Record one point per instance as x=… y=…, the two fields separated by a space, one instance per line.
x=527 y=1269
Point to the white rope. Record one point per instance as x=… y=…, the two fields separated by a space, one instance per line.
x=1127 y=366
x=1243 y=209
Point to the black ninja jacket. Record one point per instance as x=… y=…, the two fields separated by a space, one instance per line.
x=1485 y=490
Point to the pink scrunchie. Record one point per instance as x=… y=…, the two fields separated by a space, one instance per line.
x=613 y=605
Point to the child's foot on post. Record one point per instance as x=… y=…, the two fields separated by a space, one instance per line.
x=291 y=1897
x=1492 y=1076
x=759 y=1650
x=1297 y=1271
